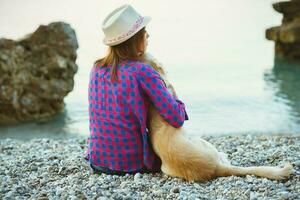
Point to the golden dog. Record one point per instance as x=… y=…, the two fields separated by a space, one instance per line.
x=195 y=159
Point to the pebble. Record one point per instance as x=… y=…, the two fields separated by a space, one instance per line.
x=55 y=169
x=297 y=163
x=175 y=189
x=158 y=192
x=183 y=195
x=137 y=177
x=284 y=195
x=253 y=196
x=192 y=197
x=249 y=179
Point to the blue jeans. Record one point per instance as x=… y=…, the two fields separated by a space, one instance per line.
x=99 y=170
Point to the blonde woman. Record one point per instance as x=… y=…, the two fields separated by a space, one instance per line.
x=122 y=86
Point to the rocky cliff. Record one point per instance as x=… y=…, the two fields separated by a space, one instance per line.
x=36 y=73
x=287 y=35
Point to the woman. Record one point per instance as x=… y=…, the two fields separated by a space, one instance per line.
x=121 y=88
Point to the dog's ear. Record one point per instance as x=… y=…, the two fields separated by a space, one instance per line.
x=149 y=59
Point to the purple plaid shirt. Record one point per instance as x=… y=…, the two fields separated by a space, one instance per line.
x=119 y=139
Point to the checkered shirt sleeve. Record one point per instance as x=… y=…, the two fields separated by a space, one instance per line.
x=171 y=109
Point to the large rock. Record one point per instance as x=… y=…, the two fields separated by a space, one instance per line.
x=287 y=36
x=36 y=73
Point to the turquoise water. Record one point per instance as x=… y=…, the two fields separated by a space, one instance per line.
x=215 y=53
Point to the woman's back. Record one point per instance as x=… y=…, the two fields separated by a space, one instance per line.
x=119 y=139
x=115 y=126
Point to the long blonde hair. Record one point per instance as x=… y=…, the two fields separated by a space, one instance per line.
x=130 y=49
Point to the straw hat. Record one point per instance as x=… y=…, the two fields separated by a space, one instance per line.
x=121 y=24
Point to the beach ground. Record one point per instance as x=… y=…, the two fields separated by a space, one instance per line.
x=56 y=169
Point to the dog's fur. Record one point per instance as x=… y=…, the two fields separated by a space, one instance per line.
x=195 y=159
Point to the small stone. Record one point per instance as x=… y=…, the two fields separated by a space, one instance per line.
x=10 y=194
x=225 y=191
x=93 y=189
x=265 y=181
x=287 y=184
x=297 y=163
x=249 y=179
x=175 y=189
x=43 y=196
x=102 y=198
x=284 y=195
x=158 y=192
x=124 y=184
x=192 y=197
x=239 y=182
x=137 y=177
x=253 y=196
x=183 y=194
x=59 y=190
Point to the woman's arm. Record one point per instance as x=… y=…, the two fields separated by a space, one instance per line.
x=170 y=108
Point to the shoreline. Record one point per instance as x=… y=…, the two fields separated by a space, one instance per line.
x=56 y=169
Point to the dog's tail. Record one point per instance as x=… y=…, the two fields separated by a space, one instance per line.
x=262 y=171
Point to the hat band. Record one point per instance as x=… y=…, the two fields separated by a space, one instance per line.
x=135 y=26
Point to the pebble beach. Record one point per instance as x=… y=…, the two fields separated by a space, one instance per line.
x=56 y=169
